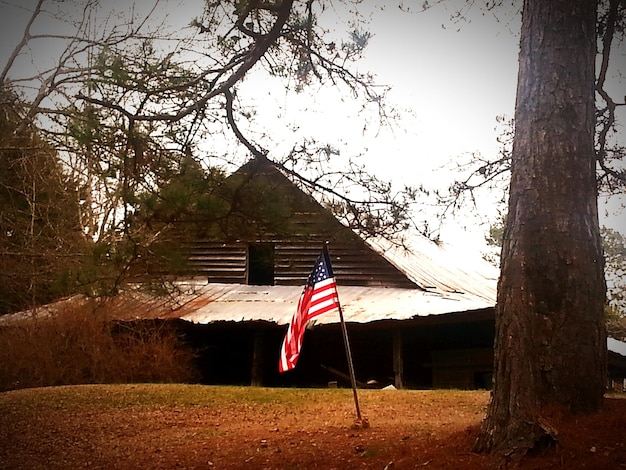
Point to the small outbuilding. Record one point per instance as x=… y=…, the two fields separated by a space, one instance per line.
x=419 y=315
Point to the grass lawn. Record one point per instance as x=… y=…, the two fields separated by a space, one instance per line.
x=156 y=426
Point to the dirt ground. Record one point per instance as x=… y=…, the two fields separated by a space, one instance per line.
x=139 y=427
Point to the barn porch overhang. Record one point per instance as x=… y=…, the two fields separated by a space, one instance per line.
x=210 y=303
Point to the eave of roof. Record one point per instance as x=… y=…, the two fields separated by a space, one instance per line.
x=438 y=267
x=615 y=346
x=210 y=303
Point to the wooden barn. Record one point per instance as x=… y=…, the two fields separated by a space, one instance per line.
x=418 y=316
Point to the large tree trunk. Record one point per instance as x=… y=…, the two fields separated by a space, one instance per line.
x=550 y=349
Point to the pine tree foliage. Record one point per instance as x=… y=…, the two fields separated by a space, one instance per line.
x=41 y=237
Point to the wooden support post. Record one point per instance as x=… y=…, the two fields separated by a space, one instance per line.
x=257 y=360
x=398 y=364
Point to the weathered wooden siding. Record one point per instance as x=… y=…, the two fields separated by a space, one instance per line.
x=353 y=263
x=267 y=208
x=218 y=262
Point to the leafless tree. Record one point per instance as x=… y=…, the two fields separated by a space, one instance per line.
x=129 y=95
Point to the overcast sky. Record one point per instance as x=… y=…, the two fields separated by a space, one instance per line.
x=450 y=79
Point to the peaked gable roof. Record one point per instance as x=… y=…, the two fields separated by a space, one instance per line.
x=267 y=207
x=430 y=266
x=268 y=198
x=439 y=267
x=437 y=280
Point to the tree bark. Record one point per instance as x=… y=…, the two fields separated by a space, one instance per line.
x=550 y=349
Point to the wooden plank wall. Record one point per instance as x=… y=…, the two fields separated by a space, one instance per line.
x=352 y=264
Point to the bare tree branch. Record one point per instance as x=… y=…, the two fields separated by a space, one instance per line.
x=25 y=38
x=606 y=116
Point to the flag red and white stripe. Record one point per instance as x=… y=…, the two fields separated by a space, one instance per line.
x=318 y=296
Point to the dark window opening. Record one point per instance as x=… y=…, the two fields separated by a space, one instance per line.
x=261 y=264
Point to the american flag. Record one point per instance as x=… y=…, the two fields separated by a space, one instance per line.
x=319 y=296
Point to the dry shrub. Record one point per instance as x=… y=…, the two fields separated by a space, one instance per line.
x=78 y=346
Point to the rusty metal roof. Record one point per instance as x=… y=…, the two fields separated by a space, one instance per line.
x=277 y=304
x=618 y=347
x=431 y=266
x=439 y=267
x=448 y=283
x=210 y=303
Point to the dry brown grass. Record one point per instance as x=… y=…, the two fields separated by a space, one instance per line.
x=77 y=346
x=169 y=426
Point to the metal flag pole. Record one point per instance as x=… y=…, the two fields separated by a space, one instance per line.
x=346 y=343
x=350 y=366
